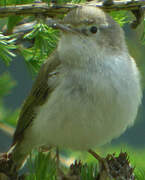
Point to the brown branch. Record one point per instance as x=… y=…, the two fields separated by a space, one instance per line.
x=55 y=10
x=6 y=128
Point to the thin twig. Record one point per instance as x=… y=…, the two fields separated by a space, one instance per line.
x=6 y=128
x=54 y=10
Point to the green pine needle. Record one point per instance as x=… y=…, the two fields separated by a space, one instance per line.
x=41 y=166
x=6 y=47
x=121 y=17
x=89 y=171
x=45 y=40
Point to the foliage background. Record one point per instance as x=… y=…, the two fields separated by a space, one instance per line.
x=21 y=60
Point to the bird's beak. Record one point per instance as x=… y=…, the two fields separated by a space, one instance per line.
x=63 y=27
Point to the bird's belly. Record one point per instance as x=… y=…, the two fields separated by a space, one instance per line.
x=84 y=120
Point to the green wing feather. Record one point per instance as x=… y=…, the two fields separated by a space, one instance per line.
x=38 y=95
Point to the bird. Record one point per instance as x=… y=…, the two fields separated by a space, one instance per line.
x=86 y=93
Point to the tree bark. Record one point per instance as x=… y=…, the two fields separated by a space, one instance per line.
x=52 y=10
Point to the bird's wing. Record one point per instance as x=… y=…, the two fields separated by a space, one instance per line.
x=38 y=95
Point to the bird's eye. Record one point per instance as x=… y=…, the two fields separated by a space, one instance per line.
x=93 y=29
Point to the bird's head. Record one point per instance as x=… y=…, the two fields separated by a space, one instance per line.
x=89 y=30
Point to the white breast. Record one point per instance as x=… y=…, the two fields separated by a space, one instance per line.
x=90 y=108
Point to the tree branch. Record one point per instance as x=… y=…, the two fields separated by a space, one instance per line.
x=56 y=10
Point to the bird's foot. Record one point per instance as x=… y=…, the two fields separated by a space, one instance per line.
x=102 y=161
x=59 y=172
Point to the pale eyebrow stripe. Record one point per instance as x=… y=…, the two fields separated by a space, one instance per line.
x=105 y=26
x=87 y=21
